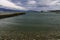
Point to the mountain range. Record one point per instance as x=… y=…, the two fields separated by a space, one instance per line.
x=10 y=10
x=14 y=10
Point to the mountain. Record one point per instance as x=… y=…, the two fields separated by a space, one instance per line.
x=10 y=10
x=32 y=11
x=7 y=9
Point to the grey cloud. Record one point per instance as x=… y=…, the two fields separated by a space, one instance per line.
x=39 y=5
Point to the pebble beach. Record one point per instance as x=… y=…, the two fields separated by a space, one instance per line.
x=20 y=35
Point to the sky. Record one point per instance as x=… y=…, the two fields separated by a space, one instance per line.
x=36 y=5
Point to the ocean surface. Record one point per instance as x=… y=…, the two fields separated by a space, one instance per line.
x=32 y=21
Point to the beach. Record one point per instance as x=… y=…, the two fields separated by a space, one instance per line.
x=31 y=26
x=19 y=35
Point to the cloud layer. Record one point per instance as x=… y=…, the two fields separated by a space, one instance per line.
x=32 y=4
x=7 y=3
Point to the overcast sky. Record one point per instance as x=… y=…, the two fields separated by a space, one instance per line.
x=31 y=4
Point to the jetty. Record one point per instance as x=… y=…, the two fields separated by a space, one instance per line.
x=11 y=15
x=54 y=10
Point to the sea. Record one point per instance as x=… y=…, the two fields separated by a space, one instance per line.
x=32 y=21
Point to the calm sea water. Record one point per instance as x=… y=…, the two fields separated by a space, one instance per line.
x=32 y=21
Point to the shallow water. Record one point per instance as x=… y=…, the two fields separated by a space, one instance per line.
x=32 y=21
